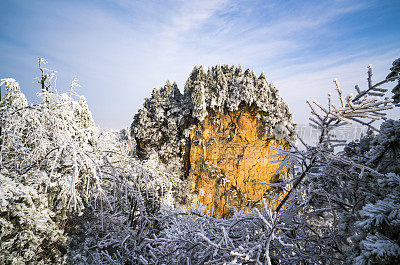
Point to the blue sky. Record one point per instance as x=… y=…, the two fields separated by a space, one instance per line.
x=119 y=50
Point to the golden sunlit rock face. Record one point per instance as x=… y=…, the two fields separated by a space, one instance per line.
x=215 y=138
x=229 y=157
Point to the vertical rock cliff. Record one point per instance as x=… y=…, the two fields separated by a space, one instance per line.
x=216 y=136
x=229 y=157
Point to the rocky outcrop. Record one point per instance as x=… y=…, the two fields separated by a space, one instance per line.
x=216 y=136
x=229 y=157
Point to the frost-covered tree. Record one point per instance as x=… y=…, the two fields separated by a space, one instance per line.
x=44 y=155
x=157 y=124
x=334 y=192
x=379 y=225
x=393 y=75
x=68 y=194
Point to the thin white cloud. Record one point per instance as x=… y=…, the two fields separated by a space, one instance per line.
x=122 y=50
x=192 y=14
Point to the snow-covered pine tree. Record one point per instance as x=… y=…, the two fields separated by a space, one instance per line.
x=375 y=238
x=395 y=72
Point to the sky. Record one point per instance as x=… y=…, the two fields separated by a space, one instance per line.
x=120 y=50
